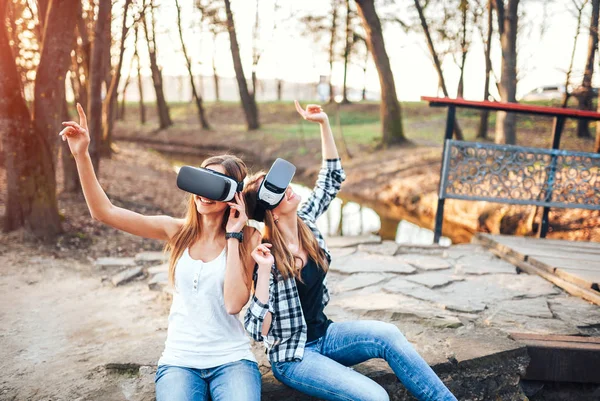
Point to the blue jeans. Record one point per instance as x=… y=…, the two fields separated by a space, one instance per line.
x=238 y=380
x=324 y=371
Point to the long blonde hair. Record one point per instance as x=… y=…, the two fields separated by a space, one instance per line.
x=192 y=227
x=285 y=260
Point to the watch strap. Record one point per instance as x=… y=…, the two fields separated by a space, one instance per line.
x=239 y=236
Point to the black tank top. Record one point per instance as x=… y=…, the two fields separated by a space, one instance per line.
x=310 y=291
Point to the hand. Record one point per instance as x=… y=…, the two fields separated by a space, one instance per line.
x=77 y=135
x=262 y=256
x=313 y=113
x=237 y=214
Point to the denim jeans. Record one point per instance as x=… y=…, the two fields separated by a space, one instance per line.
x=238 y=380
x=324 y=371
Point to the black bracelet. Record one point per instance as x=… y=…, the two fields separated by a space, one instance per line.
x=239 y=236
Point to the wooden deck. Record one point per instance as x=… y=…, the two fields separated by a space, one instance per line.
x=571 y=265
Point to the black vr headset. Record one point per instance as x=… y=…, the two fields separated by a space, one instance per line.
x=272 y=189
x=208 y=183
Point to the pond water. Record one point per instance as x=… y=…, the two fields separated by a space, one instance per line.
x=352 y=218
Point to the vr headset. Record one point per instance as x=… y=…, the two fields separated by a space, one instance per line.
x=272 y=189
x=208 y=183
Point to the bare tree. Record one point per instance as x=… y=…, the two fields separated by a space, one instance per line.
x=347 y=50
x=579 y=11
x=161 y=103
x=121 y=113
x=464 y=47
x=256 y=51
x=197 y=96
x=248 y=101
x=30 y=146
x=110 y=101
x=436 y=61
x=391 y=113
x=79 y=74
x=507 y=27
x=136 y=55
x=211 y=17
x=586 y=95
x=597 y=144
x=332 y=42
x=96 y=78
x=484 y=118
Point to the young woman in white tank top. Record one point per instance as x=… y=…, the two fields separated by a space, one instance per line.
x=207 y=354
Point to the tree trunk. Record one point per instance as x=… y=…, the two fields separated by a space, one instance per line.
x=347 y=50
x=110 y=101
x=42 y=6
x=391 y=113
x=334 y=15
x=30 y=181
x=121 y=112
x=436 y=62
x=214 y=67
x=483 y=119
x=136 y=55
x=161 y=103
x=597 y=144
x=51 y=72
x=507 y=25
x=255 y=51
x=567 y=95
x=195 y=94
x=248 y=102
x=82 y=69
x=464 y=7
x=96 y=77
x=366 y=64
x=279 y=89
x=585 y=100
x=70 y=175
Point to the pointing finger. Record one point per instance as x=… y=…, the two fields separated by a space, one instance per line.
x=82 y=116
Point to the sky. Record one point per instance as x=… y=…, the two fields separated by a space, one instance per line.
x=289 y=53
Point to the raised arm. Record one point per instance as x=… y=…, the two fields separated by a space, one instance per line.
x=316 y=114
x=331 y=175
x=101 y=208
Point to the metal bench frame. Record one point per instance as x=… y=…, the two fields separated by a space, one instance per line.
x=516 y=174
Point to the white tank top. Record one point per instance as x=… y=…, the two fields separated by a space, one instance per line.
x=201 y=333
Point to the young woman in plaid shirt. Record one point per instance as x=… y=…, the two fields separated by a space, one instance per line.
x=309 y=352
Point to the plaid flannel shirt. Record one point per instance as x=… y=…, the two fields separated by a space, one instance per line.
x=286 y=338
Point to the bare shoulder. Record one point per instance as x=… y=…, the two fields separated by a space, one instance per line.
x=173 y=225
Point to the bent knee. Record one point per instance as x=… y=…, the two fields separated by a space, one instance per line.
x=387 y=332
x=378 y=393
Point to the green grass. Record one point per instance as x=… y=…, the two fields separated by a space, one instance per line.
x=359 y=123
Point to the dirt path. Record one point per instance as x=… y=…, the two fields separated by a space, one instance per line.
x=61 y=326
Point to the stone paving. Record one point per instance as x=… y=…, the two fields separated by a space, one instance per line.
x=456 y=305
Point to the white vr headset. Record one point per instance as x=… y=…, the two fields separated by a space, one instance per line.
x=208 y=183
x=272 y=189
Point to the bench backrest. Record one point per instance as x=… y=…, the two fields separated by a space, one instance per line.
x=520 y=175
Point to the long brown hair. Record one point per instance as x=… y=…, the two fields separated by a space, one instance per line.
x=284 y=258
x=192 y=227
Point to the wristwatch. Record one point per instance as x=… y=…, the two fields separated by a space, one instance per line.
x=239 y=236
